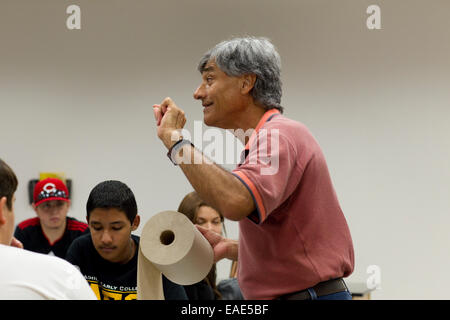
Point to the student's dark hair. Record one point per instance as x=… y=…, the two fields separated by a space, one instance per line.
x=8 y=183
x=112 y=194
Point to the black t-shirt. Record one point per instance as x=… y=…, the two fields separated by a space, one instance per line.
x=113 y=281
x=30 y=233
x=200 y=291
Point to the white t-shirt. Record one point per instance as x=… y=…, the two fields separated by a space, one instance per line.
x=26 y=275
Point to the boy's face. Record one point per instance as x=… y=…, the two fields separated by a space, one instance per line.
x=111 y=234
x=53 y=213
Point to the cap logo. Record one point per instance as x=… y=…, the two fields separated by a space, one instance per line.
x=49 y=187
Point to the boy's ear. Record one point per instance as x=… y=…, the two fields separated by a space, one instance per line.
x=136 y=222
x=2 y=211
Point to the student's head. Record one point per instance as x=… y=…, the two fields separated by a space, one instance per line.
x=51 y=202
x=236 y=69
x=200 y=213
x=8 y=187
x=112 y=216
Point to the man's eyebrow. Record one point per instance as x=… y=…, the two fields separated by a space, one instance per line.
x=208 y=69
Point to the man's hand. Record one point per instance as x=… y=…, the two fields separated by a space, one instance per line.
x=16 y=243
x=223 y=247
x=170 y=120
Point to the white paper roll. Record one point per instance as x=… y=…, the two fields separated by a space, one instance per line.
x=172 y=245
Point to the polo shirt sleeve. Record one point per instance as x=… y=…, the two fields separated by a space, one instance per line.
x=270 y=163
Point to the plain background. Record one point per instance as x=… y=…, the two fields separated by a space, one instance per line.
x=79 y=101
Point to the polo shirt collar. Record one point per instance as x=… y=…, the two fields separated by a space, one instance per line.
x=266 y=117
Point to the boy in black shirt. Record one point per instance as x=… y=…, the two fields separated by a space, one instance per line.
x=108 y=256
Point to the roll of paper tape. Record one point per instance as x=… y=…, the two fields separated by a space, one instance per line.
x=170 y=244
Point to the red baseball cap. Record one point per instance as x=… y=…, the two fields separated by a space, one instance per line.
x=50 y=189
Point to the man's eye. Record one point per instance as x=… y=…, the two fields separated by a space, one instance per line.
x=117 y=228
x=97 y=228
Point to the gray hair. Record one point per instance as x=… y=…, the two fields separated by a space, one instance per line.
x=250 y=55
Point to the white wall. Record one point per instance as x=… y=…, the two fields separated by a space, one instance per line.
x=377 y=100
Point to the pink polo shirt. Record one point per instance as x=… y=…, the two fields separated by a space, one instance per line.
x=298 y=236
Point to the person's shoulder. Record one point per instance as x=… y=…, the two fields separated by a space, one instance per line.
x=8 y=250
x=16 y=258
x=49 y=277
x=51 y=269
x=291 y=131
x=77 y=227
x=82 y=241
x=81 y=250
x=81 y=246
x=32 y=222
x=54 y=263
x=33 y=260
x=284 y=123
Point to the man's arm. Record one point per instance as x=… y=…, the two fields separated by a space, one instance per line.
x=216 y=186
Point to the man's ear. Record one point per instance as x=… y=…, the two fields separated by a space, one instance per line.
x=247 y=82
x=136 y=222
x=3 y=211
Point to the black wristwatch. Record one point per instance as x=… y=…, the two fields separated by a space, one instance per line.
x=176 y=147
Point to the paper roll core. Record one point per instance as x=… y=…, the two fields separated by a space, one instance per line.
x=167 y=237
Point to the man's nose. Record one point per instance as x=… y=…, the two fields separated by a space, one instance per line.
x=199 y=93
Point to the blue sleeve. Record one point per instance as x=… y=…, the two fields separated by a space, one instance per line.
x=173 y=291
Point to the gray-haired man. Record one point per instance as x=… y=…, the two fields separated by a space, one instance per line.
x=294 y=241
